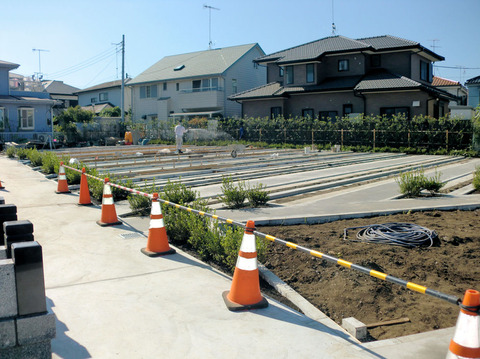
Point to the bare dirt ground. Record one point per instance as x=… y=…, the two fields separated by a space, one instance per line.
x=451 y=266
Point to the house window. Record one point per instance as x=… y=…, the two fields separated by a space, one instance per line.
x=289 y=75
x=93 y=100
x=389 y=112
x=375 y=61
x=310 y=73
x=206 y=84
x=425 y=71
x=178 y=86
x=307 y=112
x=234 y=86
x=280 y=71
x=275 y=112
x=148 y=91
x=103 y=96
x=164 y=86
x=2 y=118
x=347 y=109
x=327 y=115
x=196 y=85
x=214 y=83
x=343 y=65
x=26 y=118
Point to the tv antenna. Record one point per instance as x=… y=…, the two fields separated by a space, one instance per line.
x=434 y=45
x=334 y=28
x=210 y=8
x=39 y=73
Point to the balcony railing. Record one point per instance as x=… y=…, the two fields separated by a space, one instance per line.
x=202 y=89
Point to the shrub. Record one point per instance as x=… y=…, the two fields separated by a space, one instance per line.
x=21 y=153
x=476 y=178
x=413 y=182
x=140 y=203
x=11 y=151
x=433 y=184
x=233 y=196
x=49 y=162
x=35 y=157
x=258 y=195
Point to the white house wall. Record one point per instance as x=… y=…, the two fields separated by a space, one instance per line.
x=113 y=94
x=247 y=75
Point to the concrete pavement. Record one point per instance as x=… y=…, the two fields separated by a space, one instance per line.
x=110 y=300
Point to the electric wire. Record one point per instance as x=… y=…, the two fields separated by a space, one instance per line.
x=398 y=234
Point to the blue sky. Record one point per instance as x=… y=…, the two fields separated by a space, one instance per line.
x=79 y=36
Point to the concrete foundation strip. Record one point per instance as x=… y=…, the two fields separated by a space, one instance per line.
x=373 y=273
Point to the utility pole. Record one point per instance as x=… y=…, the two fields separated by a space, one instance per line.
x=39 y=73
x=334 y=28
x=210 y=24
x=122 y=99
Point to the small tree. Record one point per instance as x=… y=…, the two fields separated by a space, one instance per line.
x=67 y=119
x=111 y=112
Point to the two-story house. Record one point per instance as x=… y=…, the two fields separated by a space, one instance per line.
x=62 y=93
x=338 y=76
x=197 y=83
x=104 y=95
x=23 y=114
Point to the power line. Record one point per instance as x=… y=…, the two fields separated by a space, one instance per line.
x=457 y=67
x=84 y=64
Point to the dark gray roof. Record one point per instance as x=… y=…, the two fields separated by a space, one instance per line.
x=475 y=80
x=9 y=65
x=384 y=80
x=58 y=87
x=105 y=85
x=336 y=44
x=380 y=80
x=267 y=90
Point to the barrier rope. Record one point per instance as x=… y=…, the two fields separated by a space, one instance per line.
x=373 y=273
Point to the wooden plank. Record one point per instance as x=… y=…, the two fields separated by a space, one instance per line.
x=388 y=322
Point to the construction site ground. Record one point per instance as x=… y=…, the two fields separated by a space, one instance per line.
x=314 y=196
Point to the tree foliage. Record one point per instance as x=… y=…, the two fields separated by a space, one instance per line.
x=111 y=112
x=67 y=119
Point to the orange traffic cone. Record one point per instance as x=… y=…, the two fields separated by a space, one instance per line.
x=62 y=180
x=245 y=290
x=466 y=340
x=157 y=244
x=84 y=199
x=109 y=215
x=1 y=187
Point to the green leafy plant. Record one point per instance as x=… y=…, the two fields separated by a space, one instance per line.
x=233 y=196
x=35 y=157
x=433 y=184
x=476 y=178
x=412 y=183
x=11 y=151
x=49 y=162
x=258 y=195
x=21 y=153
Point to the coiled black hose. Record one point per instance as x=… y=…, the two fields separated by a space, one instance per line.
x=398 y=234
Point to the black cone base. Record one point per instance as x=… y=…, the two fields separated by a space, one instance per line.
x=235 y=307
x=157 y=254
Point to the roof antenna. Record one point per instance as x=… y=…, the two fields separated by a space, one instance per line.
x=210 y=24
x=334 y=28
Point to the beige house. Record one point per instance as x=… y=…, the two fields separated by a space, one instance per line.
x=338 y=76
x=196 y=84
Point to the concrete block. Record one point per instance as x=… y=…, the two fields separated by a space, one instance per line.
x=8 y=336
x=36 y=328
x=29 y=278
x=16 y=238
x=355 y=328
x=2 y=200
x=23 y=226
x=41 y=350
x=7 y=209
x=4 y=218
x=3 y=252
x=8 y=291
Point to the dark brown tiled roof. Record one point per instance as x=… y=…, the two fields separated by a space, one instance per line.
x=384 y=80
x=475 y=80
x=315 y=49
